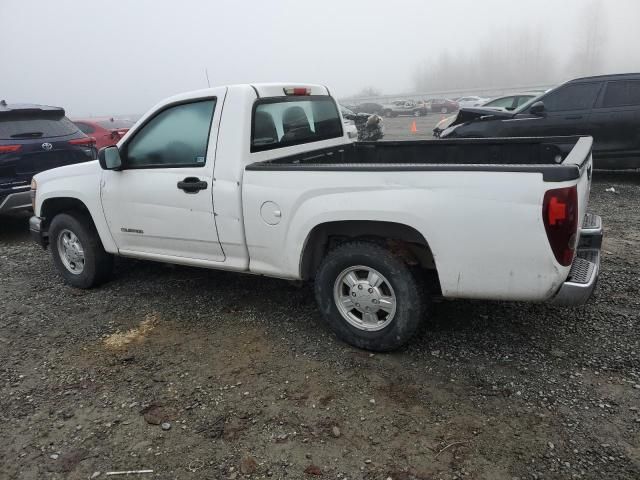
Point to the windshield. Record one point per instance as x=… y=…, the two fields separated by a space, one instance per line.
x=530 y=102
x=35 y=126
x=345 y=111
x=115 y=123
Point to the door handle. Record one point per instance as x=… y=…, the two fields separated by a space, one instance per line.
x=192 y=185
x=573 y=117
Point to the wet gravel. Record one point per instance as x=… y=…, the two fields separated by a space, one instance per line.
x=202 y=374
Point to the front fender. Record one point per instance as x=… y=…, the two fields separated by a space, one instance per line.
x=80 y=182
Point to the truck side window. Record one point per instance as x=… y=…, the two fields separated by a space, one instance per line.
x=622 y=93
x=578 y=96
x=176 y=137
x=284 y=121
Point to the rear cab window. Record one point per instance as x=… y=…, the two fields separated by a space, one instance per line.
x=285 y=121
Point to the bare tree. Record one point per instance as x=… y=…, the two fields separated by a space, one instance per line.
x=368 y=92
x=588 y=55
x=508 y=58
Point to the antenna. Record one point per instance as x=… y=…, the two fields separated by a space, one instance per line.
x=206 y=72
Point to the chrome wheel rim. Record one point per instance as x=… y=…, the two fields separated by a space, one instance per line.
x=71 y=251
x=365 y=298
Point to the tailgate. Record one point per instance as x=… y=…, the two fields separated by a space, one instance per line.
x=582 y=158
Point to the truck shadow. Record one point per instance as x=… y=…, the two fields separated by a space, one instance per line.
x=14 y=228
x=475 y=327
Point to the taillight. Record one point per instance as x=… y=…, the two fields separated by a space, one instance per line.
x=297 y=91
x=9 y=148
x=88 y=141
x=560 y=215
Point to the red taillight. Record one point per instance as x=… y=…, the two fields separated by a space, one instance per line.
x=297 y=91
x=89 y=141
x=560 y=215
x=9 y=148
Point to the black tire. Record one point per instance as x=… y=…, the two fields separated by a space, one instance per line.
x=410 y=293
x=388 y=113
x=97 y=262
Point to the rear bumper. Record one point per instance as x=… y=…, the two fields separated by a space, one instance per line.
x=583 y=276
x=38 y=232
x=16 y=201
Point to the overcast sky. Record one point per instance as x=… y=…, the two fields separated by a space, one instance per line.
x=97 y=57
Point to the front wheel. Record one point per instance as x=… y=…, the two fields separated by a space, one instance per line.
x=370 y=298
x=77 y=251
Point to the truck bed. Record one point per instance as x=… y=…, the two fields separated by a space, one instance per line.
x=557 y=158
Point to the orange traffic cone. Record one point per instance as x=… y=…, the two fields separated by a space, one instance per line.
x=414 y=128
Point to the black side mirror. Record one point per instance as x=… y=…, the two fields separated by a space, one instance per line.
x=109 y=158
x=537 y=109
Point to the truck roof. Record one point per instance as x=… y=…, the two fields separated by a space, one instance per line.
x=279 y=89
x=262 y=90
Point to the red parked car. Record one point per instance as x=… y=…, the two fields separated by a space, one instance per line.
x=442 y=105
x=106 y=131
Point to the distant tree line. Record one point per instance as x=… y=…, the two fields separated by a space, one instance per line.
x=519 y=57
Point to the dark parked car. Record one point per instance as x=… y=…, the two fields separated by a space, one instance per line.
x=442 y=105
x=604 y=107
x=34 y=138
x=370 y=108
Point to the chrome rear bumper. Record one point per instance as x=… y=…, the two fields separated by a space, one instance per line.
x=583 y=276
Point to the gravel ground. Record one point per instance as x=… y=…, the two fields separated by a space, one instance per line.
x=200 y=374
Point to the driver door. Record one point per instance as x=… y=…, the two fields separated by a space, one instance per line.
x=567 y=113
x=160 y=204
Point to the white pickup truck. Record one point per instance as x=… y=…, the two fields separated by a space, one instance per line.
x=262 y=179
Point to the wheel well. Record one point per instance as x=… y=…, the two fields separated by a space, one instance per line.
x=401 y=239
x=53 y=206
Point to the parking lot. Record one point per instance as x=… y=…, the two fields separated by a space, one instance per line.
x=399 y=128
x=205 y=374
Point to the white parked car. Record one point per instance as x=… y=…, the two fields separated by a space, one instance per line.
x=263 y=179
x=467 y=102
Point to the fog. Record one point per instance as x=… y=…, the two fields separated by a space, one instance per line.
x=106 y=57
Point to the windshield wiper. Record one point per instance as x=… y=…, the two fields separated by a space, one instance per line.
x=27 y=135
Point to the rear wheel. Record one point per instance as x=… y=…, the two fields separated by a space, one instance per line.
x=444 y=110
x=388 y=113
x=77 y=251
x=370 y=298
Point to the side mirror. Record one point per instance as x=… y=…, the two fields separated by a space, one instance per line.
x=537 y=109
x=109 y=158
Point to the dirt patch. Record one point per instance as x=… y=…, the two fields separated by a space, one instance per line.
x=120 y=340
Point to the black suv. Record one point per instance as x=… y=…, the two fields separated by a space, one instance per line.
x=605 y=107
x=34 y=138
